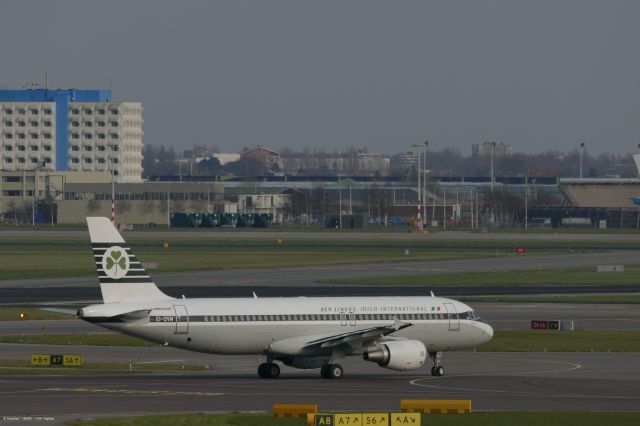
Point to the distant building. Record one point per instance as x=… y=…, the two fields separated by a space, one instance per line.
x=355 y=163
x=226 y=158
x=482 y=149
x=71 y=130
x=269 y=158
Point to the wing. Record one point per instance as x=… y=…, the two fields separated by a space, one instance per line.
x=349 y=341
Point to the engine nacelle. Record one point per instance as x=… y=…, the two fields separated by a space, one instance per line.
x=398 y=354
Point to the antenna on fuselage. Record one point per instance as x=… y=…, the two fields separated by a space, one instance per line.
x=433 y=295
x=255 y=296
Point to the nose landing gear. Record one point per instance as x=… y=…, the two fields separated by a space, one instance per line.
x=437 y=370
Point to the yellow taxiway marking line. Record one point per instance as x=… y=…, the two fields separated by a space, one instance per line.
x=132 y=391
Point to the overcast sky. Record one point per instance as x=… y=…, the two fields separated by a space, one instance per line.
x=540 y=75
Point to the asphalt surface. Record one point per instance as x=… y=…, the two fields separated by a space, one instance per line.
x=499 y=315
x=311 y=280
x=402 y=234
x=493 y=381
x=313 y=276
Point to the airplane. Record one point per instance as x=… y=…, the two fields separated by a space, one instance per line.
x=397 y=333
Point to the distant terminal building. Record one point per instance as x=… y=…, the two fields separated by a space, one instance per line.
x=71 y=130
x=499 y=149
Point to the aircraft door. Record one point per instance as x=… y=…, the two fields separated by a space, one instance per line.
x=343 y=318
x=352 y=318
x=182 y=319
x=454 y=320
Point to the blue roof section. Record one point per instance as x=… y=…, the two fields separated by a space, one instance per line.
x=53 y=95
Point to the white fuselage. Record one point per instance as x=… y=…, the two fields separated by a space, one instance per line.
x=272 y=325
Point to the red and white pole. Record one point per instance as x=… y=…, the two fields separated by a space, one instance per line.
x=113 y=198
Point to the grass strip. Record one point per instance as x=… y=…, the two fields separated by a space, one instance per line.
x=23 y=367
x=503 y=340
x=595 y=299
x=13 y=314
x=572 y=276
x=563 y=341
x=91 y=339
x=474 y=419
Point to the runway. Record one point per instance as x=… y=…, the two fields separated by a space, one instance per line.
x=494 y=381
x=316 y=276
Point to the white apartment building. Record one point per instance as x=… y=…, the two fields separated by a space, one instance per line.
x=71 y=130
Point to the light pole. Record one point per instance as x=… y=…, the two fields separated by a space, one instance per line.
x=35 y=194
x=581 y=154
x=426 y=178
x=419 y=178
x=492 y=145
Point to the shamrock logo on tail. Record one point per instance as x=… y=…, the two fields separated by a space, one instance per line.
x=115 y=262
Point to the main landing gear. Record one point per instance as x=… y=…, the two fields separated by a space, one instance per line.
x=437 y=370
x=331 y=371
x=268 y=370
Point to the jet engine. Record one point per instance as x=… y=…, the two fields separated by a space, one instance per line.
x=398 y=354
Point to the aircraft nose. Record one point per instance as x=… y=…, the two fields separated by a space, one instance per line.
x=487 y=332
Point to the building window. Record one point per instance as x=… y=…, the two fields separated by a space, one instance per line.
x=22 y=160
x=8 y=148
x=75 y=136
x=75 y=111
x=47 y=124
x=34 y=123
x=47 y=111
x=88 y=160
x=75 y=123
x=101 y=161
x=21 y=136
x=114 y=123
x=101 y=124
x=114 y=136
x=8 y=123
x=101 y=136
x=75 y=160
x=47 y=135
x=34 y=136
x=8 y=136
x=101 y=111
x=47 y=160
x=34 y=160
x=34 y=147
x=75 y=148
x=114 y=111
x=8 y=160
x=34 y=111
x=22 y=123
x=101 y=148
x=88 y=123
x=22 y=148
x=88 y=111
x=114 y=160
x=47 y=147
x=22 y=111
x=8 y=111
x=88 y=136
x=88 y=148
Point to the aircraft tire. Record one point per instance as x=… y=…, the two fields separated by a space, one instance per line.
x=437 y=371
x=262 y=371
x=273 y=370
x=325 y=371
x=336 y=371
